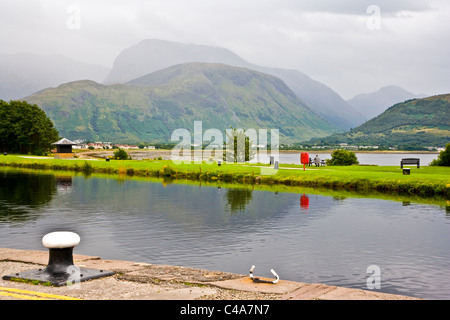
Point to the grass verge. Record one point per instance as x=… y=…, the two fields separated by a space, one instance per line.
x=424 y=182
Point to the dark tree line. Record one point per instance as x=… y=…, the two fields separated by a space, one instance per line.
x=25 y=128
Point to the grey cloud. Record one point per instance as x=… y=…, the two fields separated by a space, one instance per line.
x=327 y=39
x=359 y=7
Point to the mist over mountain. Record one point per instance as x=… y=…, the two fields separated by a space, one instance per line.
x=152 y=55
x=374 y=103
x=151 y=107
x=22 y=74
x=157 y=86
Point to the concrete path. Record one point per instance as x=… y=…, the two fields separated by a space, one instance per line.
x=142 y=281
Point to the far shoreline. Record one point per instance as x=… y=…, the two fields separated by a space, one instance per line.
x=360 y=151
x=268 y=151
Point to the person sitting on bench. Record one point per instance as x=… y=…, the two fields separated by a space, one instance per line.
x=317 y=160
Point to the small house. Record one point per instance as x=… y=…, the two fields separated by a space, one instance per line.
x=64 y=149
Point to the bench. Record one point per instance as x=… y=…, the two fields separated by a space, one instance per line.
x=412 y=161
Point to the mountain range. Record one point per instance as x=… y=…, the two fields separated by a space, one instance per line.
x=156 y=86
x=151 y=55
x=151 y=107
x=415 y=122
x=22 y=74
x=374 y=103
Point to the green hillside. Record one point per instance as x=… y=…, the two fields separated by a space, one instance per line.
x=150 y=108
x=422 y=122
x=151 y=55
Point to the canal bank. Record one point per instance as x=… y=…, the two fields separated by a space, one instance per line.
x=143 y=281
x=424 y=181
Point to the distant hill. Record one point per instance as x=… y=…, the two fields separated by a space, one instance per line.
x=22 y=74
x=372 y=104
x=152 y=55
x=424 y=122
x=151 y=107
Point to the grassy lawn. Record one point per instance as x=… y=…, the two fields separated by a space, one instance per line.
x=425 y=182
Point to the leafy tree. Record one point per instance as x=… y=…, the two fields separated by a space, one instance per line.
x=342 y=157
x=240 y=153
x=443 y=158
x=121 y=154
x=25 y=128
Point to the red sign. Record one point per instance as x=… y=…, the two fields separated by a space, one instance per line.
x=304 y=157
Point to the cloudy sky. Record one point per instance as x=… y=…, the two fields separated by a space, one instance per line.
x=352 y=46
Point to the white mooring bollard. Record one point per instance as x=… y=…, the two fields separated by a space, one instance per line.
x=60 y=269
x=60 y=245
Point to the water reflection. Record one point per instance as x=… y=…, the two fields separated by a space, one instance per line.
x=231 y=227
x=237 y=199
x=20 y=194
x=63 y=183
x=304 y=202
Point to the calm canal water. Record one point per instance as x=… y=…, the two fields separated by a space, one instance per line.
x=305 y=237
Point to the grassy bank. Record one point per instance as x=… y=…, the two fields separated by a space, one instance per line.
x=423 y=182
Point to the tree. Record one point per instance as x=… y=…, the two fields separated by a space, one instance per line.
x=342 y=157
x=443 y=157
x=241 y=144
x=121 y=154
x=25 y=128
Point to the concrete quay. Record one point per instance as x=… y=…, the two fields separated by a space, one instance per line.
x=143 y=281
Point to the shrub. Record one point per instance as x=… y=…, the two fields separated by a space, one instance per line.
x=443 y=158
x=87 y=167
x=342 y=158
x=121 y=154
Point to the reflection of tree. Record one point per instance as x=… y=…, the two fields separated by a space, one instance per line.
x=237 y=198
x=19 y=192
